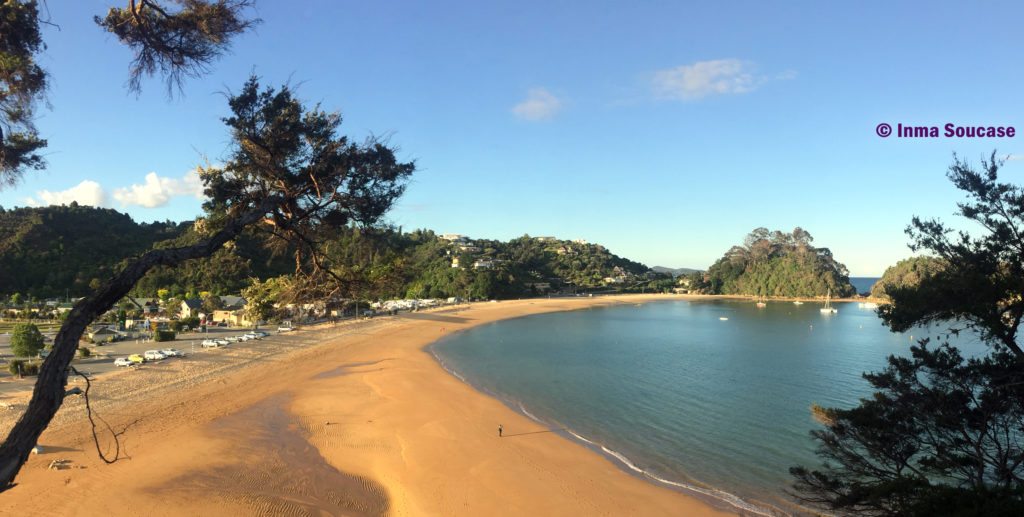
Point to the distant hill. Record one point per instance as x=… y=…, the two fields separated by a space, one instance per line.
x=674 y=271
x=54 y=251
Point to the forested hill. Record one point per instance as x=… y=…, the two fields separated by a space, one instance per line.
x=907 y=273
x=52 y=250
x=47 y=252
x=777 y=264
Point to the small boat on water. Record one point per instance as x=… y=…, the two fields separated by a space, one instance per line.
x=867 y=305
x=760 y=303
x=797 y=302
x=828 y=308
x=723 y=318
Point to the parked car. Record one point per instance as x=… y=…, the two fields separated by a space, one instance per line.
x=285 y=329
x=154 y=355
x=210 y=343
x=223 y=342
x=233 y=339
x=172 y=352
x=123 y=361
x=136 y=359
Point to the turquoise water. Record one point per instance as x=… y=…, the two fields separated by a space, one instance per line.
x=677 y=392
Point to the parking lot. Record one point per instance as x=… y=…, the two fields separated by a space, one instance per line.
x=102 y=360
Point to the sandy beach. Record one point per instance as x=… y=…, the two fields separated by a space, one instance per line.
x=355 y=419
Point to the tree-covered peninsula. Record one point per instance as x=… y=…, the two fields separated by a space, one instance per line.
x=906 y=274
x=776 y=264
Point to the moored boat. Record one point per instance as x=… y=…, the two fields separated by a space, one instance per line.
x=828 y=308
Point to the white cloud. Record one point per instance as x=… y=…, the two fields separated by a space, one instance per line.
x=157 y=191
x=1014 y=157
x=87 y=192
x=540 y=104
x=715 y=77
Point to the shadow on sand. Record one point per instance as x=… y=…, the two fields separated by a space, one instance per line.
x=433 y=317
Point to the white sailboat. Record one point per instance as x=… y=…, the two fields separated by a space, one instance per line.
x=828 y=308
x=760 y=303
x=797 y=302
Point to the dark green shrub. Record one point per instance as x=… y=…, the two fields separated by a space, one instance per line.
x=84 y=352
x=14 y=364
x=24 y=367
x=164 y=335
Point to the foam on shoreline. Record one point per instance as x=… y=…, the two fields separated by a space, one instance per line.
x=712 y=494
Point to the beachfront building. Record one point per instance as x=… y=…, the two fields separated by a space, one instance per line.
x=232 y=303
x=545 y=239
x=234 y=317
x=539 y=287
x=103 y=335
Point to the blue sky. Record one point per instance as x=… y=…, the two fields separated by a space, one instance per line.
x=664 y=131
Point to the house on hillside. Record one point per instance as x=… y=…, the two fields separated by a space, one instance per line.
x=454 y=237
x=191 y=307
x=483 y=264
x=618 y=276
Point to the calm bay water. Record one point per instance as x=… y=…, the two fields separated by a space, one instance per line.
x=678 y=392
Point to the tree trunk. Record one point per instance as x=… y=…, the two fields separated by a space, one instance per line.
x=49 y=389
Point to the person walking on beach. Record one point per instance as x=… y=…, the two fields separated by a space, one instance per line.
x=500 y=430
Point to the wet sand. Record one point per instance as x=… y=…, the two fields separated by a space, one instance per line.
x=362 y=421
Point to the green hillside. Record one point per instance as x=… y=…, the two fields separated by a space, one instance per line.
x=50 y=251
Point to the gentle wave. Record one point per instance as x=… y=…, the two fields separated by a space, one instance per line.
x=525 y=412
x=718 y=495
x=446 y=367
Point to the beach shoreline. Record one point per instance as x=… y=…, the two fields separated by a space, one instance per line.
x=374 y=409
